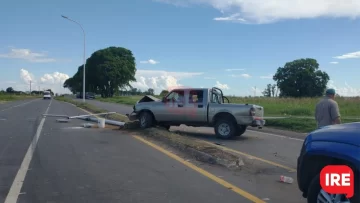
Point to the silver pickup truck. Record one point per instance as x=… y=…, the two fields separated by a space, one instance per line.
x=198 y=107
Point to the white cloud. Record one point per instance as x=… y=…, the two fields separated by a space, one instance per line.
x=346 y=90
x=245 y=75
x=269 y=11
x=160 y=80
x=235 y=69
x=222 y=86
x=54 y=78
x=351 y=55
x=53 y=81
x=334 y=62
x=209 y=78
x=270 y=76
x=234 y=18
x=150 y=61
x=26 y=77
x=27 y=54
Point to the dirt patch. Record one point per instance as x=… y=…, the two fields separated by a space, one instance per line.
x=195 y=148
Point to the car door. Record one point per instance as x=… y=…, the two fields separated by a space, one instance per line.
x=172 y=107
x=195 y=107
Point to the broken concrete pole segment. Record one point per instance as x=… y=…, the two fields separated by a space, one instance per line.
x=80 y=116
x=110 y=122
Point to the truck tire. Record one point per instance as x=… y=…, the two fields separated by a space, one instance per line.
x=146 y=120
x=314 y=190
x=240 y=130
x=225 y=128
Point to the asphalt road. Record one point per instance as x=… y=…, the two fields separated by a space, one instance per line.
x=68 y=163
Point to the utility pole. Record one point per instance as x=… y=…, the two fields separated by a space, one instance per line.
x=30 y=87
x=255 y=92
x=84 y=57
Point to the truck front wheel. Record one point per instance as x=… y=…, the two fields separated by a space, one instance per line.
x=225 y=128
x=146 y=120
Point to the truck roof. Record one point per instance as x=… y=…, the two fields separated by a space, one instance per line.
x=190 y=88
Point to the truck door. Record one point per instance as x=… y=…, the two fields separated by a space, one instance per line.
x=173 y=107
x=196 y=106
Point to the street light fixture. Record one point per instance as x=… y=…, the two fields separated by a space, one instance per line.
x=84 y=53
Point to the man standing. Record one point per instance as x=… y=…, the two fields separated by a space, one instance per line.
x=327 y=110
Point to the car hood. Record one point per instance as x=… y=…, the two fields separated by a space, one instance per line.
x=348 y=133
x=149 y=98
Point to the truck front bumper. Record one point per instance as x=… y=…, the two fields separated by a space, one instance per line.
x=258 y=123
x=133 y=116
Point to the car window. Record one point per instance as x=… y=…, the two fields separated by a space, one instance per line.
x=196 y=96
x=215 y=98
x=175 y=96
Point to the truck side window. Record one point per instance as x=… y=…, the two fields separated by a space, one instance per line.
x=175 y=96
x=214 y=98
x=196 y=96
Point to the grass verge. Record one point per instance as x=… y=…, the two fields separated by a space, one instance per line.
x=299 y=113
x=195 y=148
x=14 y=97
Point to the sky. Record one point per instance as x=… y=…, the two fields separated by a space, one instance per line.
x=236 y=45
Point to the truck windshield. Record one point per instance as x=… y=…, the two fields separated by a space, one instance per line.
x=46 y=93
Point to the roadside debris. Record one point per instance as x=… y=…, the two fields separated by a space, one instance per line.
x=80 y=116
x=62 y=120
x=88 y=125
x=286 y=179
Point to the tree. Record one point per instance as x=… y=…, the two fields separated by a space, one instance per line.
x=10 y=90
x=107 y=71
x=301 y=78
x=164 y=93
x=269 y=91
x=150 y=91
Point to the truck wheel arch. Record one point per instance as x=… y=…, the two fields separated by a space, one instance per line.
x=149 y=111
x=225 y=115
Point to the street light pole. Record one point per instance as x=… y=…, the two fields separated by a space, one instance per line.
x=84 y=54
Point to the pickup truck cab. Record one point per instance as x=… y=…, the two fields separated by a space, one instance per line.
x=330 y=145
x=198 y=107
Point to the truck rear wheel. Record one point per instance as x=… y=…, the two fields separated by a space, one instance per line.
x=225 y=128
x=240 y=130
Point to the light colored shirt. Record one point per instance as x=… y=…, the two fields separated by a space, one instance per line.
x=326 y=111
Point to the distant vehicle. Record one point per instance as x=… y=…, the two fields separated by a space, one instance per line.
x=47 y=95
x=330 y=145
x=88 y=95
x=198 y=107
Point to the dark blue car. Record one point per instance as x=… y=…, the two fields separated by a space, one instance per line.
x=330 y=145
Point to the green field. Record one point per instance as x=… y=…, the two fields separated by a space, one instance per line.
x=300 y=111
x=13 y=97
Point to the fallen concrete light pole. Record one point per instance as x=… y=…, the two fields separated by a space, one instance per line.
x=87 y=117
x=80 y=116
x=110 y=122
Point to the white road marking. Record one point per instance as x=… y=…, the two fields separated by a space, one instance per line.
x=281 y=136
x=17 y=105
x=16 y=186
